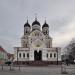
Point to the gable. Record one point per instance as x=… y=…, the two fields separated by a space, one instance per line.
x=38 y=44
x=37 y=33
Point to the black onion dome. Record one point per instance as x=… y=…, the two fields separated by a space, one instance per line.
x=45 y=25
x=35 y=22
x=27 y=24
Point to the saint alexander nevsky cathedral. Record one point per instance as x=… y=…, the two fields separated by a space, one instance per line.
x=36 y=46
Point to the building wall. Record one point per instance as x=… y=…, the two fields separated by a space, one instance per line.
x=21 y=51
x=31 y=54
x=3 y=57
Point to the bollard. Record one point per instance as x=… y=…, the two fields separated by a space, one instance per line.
x=63 y=68
x=10 y=67
x=2 y=67
x=19 y=67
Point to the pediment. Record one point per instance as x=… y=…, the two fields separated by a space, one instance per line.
x=37 y=33
x=38 y=44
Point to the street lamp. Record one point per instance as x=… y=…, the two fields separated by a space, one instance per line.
x=17 y=55
x=57 y=55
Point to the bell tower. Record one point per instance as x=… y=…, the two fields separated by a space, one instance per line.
x=45 y=28
x=27 y=28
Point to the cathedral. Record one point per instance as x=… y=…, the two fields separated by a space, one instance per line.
x=36 y=46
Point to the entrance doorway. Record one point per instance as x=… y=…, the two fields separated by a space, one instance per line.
x=37 y=55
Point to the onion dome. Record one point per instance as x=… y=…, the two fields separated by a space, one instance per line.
x=45 y=25
x=35 y=22
x=27 y=24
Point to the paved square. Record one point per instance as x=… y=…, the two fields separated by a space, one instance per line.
x=50 y=70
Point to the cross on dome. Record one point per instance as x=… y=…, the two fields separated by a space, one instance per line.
x=35 y=16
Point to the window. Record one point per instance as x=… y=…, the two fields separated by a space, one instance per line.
x=35 y=34
x=26 y=45
x=46 y=32
x=27 y=55
x=31 y=40
x=47 y=55
x=23 y=55
x=49 y=44
x=50 y=54
x=20 y=55
x=26 y=31
x=54 y=55
x=42 y=39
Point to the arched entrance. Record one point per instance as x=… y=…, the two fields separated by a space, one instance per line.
x=37 y=55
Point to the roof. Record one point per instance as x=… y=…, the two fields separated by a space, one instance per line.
x=45 y=25
x=10 y=55
x=27 y=24
x=2 y=50
x=35 y=22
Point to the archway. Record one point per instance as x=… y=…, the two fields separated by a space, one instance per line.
x=37 y=55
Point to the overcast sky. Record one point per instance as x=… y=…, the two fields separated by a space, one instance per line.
x=60 y=15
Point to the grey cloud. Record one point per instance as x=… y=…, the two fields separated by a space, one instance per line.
x=13 y=14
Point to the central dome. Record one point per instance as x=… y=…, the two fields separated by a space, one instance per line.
x=35 y=23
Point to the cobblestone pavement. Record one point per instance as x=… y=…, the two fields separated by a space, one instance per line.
x=26 y=70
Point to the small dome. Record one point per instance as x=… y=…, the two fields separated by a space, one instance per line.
x=45 y=25
x=35 y=22
x=27 y=24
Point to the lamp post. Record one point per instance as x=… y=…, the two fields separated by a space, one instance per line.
x=57 y=55
x=17 y=55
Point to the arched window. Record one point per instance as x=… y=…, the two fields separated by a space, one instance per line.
x=38 y=34
x=50 y=54
x=47 y=55
x=46 y=31
x=31 y=40
x=19 y=55
x=27 y=55
x=26 y=31
x=26 y=45
x=49 y=44
x=23 y=55
x=35 y=34
x=54 y=55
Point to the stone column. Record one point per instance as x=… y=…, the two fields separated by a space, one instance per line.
x=44 y=58
x=31 y=55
